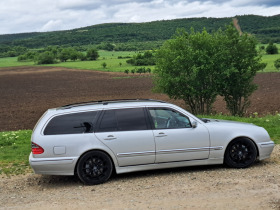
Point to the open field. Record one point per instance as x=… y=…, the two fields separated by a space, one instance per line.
x=113 y=62
x=27 y=92
x=110 y=58
x=12 y=61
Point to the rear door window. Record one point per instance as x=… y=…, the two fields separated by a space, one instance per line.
x=123 y=120
x=72 y=123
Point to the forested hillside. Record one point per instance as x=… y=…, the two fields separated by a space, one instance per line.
x=265 y=28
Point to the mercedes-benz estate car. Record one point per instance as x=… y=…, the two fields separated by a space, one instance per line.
x=93 y=139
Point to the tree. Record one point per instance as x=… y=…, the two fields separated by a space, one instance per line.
x=82 y=56
x=241 y=62
x=196 y=67
x=106 y=46
x=74 y=55
x=45 y=58
x=187 y=68
x=277 y=64
x=64 y=55
x=271 y=48
x=92 y=54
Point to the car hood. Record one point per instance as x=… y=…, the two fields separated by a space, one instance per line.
x=229 y=123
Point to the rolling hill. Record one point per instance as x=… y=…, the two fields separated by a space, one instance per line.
x=264 y=28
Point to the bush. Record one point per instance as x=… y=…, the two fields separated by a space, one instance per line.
x=146 y=59
x=277 y=64
x=45 y=58
x=92 y=54
x=271 y=49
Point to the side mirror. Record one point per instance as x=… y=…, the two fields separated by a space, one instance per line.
x=194 y=124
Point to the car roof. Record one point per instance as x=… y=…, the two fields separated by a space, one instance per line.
x=110 y=103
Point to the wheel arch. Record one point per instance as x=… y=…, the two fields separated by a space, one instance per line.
x=92 y=150
x=242 y=137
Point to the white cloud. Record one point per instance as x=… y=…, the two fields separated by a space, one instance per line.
x=44 y=15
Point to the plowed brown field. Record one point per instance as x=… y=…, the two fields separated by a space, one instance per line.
x=27 y=92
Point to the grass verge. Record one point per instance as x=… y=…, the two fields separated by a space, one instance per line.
x=14 y=152
x=15 y=145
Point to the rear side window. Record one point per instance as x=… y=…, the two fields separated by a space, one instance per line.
x=123 y=120
x=72 y=123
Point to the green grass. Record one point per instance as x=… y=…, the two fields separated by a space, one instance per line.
x=12 y=61
x=110 y=58
x=269 y=59
x=113 y=63
x=15 y=145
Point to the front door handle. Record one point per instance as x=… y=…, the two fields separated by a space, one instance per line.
x=110 y=137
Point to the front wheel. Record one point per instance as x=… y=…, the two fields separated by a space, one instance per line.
x=94 y=167
x=240 y=153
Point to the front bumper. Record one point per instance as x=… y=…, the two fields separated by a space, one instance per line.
x=265 y=149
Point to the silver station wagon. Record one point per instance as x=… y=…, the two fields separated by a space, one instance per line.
x=93 y=139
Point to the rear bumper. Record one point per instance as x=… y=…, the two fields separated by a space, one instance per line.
x=265 y=149
x=53 y=166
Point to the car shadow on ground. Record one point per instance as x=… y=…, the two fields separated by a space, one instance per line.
x=51 y=181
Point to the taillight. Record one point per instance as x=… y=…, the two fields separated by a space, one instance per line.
x=36 y=149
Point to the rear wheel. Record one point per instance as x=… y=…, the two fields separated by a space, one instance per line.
x=240 y=153
x=94 y=167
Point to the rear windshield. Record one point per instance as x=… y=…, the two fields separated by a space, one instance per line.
x=83 y=122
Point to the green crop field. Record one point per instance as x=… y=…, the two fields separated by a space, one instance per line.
x=15 y=145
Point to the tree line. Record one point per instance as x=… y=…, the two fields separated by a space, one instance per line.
x=52 y=55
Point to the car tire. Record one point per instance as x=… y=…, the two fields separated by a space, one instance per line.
x=94 y=167
x=240 y=153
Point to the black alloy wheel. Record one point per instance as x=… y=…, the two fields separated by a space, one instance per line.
x=240 y=153
x=94 y=167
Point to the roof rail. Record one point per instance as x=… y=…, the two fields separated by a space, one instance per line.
x=106 y=102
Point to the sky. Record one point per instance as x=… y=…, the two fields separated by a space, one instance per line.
x=17 y=16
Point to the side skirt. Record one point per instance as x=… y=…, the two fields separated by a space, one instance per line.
x=127 y=169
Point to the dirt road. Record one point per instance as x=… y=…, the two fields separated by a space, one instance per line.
x=210 y=187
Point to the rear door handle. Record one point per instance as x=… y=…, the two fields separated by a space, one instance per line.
x=161 y=134
x=110 y=137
